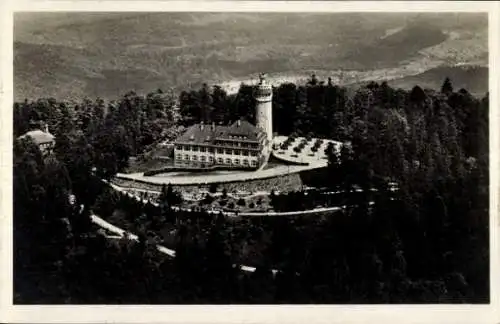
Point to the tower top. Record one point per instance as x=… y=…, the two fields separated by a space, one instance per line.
x=263 y=90
x=262 y=78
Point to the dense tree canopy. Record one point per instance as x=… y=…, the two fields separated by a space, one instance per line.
x=426 y=242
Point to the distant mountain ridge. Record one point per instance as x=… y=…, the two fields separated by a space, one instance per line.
x=470 y=77
x=70 y=56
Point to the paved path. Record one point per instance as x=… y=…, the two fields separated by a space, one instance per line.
x=215 y=177
x=235 y=214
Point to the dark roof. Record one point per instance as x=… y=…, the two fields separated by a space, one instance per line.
x=200 y=133
x=240 y=128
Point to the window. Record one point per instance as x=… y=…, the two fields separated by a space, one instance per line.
x=195 y=158
x=229 y=151
x=245 y=153
x=211 y=159
x=179 y=157
x=237 y=152
x=254 y=163
x=202 y=149
x=195 y=148
x=219 y=160
x=187 y=148
x=220 y=151
x=237 y=161
x=245 y=162
x=203 y=158
x=210 y=149
x=254 y=153
x=186 y=157
x=228 y=161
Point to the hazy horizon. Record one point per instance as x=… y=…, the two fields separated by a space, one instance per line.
x=103 y=54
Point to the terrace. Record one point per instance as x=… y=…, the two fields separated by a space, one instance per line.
x=302 y=150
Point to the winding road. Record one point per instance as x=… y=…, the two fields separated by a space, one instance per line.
x=171 y=253
x=236 y=214
x=162 y=249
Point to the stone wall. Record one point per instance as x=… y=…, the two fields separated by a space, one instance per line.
x=288 y=182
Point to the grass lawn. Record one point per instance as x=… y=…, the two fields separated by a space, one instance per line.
x=137 y=166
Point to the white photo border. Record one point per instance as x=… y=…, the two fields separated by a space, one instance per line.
x=10 y=313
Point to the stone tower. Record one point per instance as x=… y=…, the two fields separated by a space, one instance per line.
x=263 y=108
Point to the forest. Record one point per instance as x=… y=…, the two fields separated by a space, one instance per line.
x=426 y=243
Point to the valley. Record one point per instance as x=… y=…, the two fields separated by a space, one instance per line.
x=94 y=55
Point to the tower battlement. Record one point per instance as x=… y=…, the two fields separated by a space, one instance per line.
x=264 y=90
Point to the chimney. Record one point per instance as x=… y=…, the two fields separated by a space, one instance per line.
x=213 y=126
x=201 y=125
x=238 y=122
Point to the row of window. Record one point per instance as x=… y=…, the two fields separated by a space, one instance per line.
x=195 y=158
x=220 y=160
x=236 y=152
x=231 y=152
x=211 y=149
x=194 y=148
x=238 y=137
x=244 y=162
x=240 y=144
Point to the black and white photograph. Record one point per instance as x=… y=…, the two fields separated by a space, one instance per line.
x=251 y=158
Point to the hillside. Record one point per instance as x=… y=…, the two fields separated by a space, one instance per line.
x=73 y=55
x=472 y=78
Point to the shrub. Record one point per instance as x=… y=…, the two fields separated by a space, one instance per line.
x=208 y=199
x=213 y=188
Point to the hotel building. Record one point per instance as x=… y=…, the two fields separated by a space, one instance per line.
x=241 y=144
